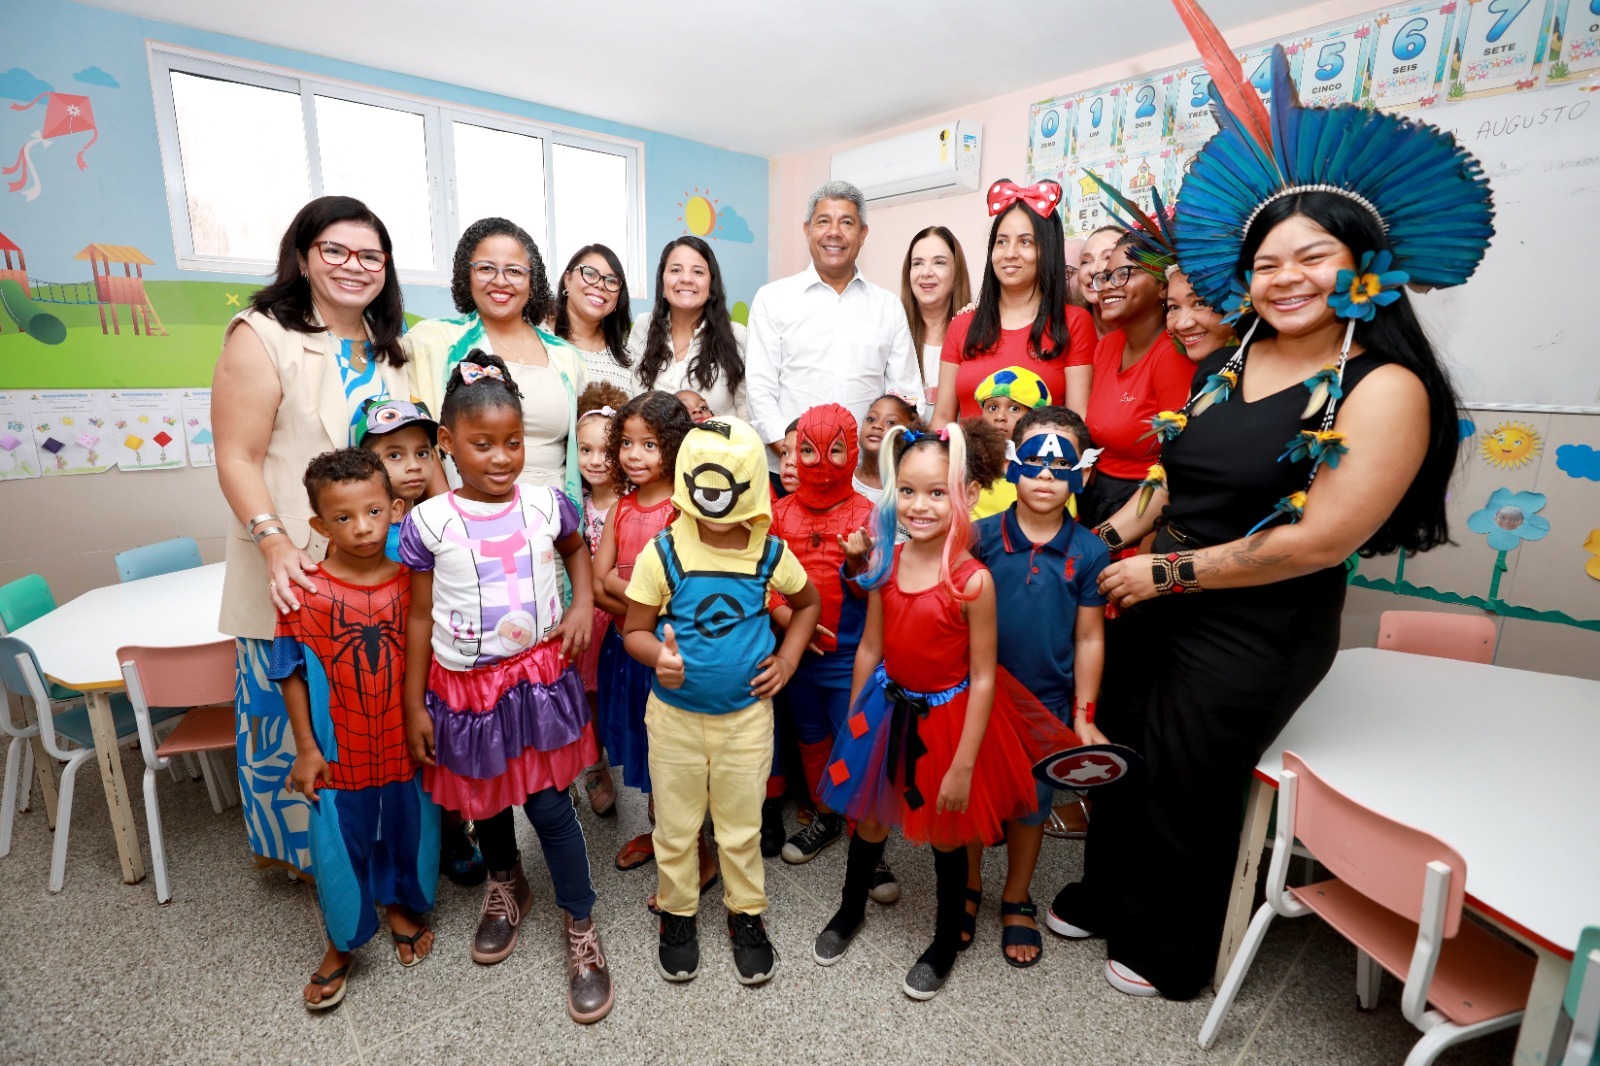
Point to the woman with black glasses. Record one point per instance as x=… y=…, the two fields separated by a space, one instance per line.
x=295 y=369
x=499 y=285
x=592 y=314
x=1137 y=373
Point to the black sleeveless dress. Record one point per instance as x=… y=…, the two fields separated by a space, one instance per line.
x=1223 y=671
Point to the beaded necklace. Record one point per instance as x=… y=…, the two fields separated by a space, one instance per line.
x=1320 y=445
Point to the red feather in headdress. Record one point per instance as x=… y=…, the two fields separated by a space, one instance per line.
x=1227 y=76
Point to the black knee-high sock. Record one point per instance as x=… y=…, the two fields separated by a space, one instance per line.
x=950 y=886
x=497 y=839
x=859 y=868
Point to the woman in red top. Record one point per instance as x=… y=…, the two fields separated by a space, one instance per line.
x=1022 y=317
x=1137 y=373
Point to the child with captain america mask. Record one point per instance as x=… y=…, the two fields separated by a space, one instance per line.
x=1052 y=623
x=697 y=614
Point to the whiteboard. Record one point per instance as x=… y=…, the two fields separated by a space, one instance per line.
x=1525 y=329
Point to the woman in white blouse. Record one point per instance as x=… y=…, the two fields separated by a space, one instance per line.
x=933 y=286
x=689 y=342
x=591 y=313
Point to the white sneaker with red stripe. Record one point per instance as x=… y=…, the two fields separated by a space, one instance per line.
x=1126 y=981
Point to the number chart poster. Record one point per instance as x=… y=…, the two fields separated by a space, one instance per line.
x=1419 y=54
x=1574 y=41
x=1408 y=54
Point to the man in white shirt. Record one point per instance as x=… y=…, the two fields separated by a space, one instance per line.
x=826 y=334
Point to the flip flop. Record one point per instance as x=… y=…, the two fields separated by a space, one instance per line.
x=1020 y=935
x=646 y=852
x=334 y=998
x=410 y=942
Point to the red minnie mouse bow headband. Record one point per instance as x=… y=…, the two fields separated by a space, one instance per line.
x=1043 y=197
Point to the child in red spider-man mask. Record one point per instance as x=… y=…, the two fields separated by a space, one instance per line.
x=824 y=522
x=341 y=658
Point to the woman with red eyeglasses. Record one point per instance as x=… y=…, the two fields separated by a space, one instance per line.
x=295 y=368
x=1022 y=317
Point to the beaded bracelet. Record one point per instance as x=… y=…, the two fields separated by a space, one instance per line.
x=1174 y=572
x=1108 y=533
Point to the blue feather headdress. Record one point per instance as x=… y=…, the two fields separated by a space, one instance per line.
x=1427 y=192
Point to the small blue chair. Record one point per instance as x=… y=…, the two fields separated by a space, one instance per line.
x=20 y=673
x=162 y=557
x=1582 y=1002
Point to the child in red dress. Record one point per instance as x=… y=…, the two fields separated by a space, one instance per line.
x=939 y=741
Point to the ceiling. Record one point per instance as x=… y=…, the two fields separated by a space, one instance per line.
x=769 y=77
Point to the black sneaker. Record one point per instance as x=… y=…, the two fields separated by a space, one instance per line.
x=754 y=958
x=805 y=845
x=835 y=938
x=678 y=957
x=771 y=828
x=885 y=889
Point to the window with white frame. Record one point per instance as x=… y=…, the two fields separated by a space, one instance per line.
x=245 y=146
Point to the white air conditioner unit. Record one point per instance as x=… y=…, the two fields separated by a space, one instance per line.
x=933 y=162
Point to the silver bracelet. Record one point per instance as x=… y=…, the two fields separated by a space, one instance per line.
x=262 y=535
x=260 y=518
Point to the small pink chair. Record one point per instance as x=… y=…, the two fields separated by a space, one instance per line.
x=1397 y=895
x=1468 y=637
x=200 y=677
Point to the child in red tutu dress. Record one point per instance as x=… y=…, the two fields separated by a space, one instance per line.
x=939 y=741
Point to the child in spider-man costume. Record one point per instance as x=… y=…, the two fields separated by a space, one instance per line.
x=818 y=521
x=341 y=658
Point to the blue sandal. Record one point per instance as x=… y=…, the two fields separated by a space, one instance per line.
x=1020 y=935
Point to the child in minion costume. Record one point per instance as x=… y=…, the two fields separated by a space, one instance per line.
x=698 y=614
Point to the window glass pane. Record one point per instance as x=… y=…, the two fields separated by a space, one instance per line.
x=500 y=174
x=379 y=156
x=244 y=164
x=591 y=202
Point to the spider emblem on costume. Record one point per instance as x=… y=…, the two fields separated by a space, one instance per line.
x=357 y=635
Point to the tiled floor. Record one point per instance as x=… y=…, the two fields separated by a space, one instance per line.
x=100 y=973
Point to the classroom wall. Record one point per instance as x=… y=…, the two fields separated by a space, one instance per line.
x=68 y=528
x=1546 y=602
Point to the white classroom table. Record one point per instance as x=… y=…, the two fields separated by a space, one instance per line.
x=76 y=645
x=1504 y=765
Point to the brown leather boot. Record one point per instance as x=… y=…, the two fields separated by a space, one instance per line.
x=506 y=901
x=588 y=980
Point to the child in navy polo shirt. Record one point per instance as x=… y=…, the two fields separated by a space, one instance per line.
x=1052 y=624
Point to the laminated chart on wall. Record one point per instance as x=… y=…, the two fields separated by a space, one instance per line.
x=1499 y=48
x=1143 y=175
x=19 y=453
x=146 y=428
x=1410 y=47
x=1097 y=123
x=1193 y=124
x=1573 y=43
x=1147 y=113
x=1086 y=203
x=72 y=431
x=195 y=405
x=1049 y=137
x=1332 y=67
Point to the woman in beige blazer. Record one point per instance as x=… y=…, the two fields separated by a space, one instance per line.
x=296 y=366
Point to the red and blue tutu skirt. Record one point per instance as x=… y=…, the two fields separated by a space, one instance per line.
x=897 y=745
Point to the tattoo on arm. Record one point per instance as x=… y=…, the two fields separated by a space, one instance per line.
x=1248 y=554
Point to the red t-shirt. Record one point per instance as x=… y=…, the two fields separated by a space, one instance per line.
x=1122 y=402
x=1012 y=350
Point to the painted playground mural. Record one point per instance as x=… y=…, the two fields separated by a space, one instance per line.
x=110 y=326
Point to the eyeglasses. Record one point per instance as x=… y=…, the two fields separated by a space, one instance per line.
x=1112 y=279
x=372 y=260
x=514 y=273
x=591 y=276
